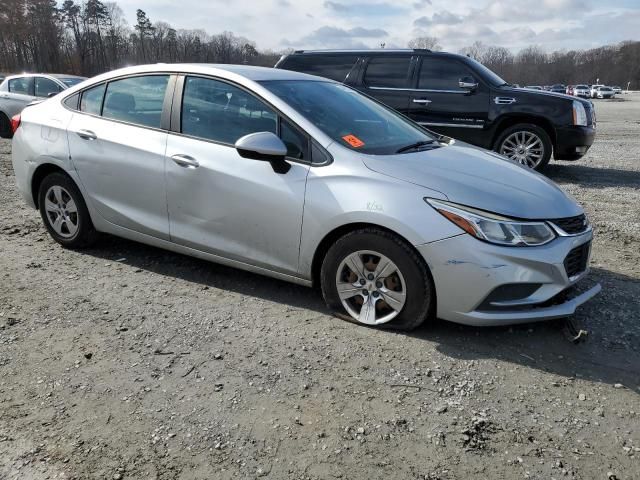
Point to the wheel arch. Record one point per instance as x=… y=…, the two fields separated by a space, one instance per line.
x=331 y=237
x=508 y=121
x=41 y=173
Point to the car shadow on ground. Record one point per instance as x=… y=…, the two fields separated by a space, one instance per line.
x=610 y=354
x=595 y=177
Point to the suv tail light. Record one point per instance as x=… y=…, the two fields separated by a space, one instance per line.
x=15 y=123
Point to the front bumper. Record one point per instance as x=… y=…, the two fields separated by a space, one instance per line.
x=467 y=272
x=573 y=142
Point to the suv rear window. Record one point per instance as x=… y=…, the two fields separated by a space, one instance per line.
x=335 y=67
x=387 y=72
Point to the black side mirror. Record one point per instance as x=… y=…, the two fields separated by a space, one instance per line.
x=468 y=83
x=265 y=146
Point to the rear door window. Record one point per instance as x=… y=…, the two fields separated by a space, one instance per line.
x=387 y=72
x=21 y=85
x=137 y=100
x=218 y=111
x=45 y=87
x=335 y=67
x=442 y=74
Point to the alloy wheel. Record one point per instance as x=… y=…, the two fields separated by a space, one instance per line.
x=524 y=147
x=61 y=211
x=371 y=287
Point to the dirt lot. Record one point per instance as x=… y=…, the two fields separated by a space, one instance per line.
x=128 y=362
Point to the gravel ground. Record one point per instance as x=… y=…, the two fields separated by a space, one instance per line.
x=129 y=362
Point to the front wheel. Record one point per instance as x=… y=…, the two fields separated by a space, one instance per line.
x=527 y=144
x=374 y=278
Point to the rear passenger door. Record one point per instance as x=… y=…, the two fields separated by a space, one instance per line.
x=117 y=142
x=387 y=78
x=440 y=104
x=220 y=202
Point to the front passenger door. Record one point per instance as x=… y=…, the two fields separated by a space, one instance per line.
x=440 y=104
x=222 y=203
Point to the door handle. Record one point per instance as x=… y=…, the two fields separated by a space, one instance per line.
x=185 y=161
x=422 y=101
x=87 y=135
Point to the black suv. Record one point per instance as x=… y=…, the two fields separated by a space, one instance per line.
x=458 y=97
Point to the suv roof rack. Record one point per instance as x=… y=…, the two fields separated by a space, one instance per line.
x=361 y=50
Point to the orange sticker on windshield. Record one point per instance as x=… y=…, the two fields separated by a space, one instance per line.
x=354 y=141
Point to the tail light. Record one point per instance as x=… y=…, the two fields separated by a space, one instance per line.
x=15 y=123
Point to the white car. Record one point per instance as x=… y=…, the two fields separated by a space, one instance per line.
x=605 y=92
x=593 y=93
x=581 y=91
x=616 y=89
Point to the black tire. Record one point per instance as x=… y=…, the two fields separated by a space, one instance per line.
x=5 y=126
x=86 y=234
x=420 y=292
x=530 y=128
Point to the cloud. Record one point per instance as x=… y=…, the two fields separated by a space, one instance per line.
x=444 y=18
x=335 y=37
x=382 y=9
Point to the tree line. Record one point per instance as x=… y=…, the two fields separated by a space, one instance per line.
x=92 y=36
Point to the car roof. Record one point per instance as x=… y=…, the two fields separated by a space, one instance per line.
x=377 y=52
x=52 y=75
x=248 y=72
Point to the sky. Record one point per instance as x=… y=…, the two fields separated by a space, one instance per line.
x=299 y=24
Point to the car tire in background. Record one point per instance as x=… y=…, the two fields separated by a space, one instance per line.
x=5 y=126
x=64 y=212
x=372 y=277
x=527 y=144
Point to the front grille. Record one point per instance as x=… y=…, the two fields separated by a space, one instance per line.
x=572 y=225
x=577 y=260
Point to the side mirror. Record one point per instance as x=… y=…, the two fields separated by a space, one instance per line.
x=468 y=83
x=265 y=146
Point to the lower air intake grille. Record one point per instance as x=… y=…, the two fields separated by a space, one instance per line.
x=576 y=261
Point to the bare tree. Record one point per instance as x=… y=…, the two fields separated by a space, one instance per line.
x=428 y=43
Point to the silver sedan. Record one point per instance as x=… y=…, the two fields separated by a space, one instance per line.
x=306 y=180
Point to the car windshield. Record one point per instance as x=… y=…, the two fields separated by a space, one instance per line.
x=581 y=86
x=350 y=118
x=71 y=81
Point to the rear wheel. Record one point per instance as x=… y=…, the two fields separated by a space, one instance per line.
x=372 y=277
x=5 y=126
x=527 y=144
x=64 y=212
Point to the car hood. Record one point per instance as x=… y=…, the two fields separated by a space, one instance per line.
x=478 y=178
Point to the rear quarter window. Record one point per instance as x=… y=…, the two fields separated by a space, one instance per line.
x=333 y=67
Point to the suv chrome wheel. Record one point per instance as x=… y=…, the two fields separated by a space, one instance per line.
x=62 y=212
x=524 y=147
x=371 y=287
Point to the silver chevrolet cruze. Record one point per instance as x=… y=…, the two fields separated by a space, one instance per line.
x=306 y=180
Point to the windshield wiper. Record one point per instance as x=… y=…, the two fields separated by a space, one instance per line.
x=413 y=146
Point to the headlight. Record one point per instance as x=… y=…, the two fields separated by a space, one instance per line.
x=494 y=228
x=579 y=114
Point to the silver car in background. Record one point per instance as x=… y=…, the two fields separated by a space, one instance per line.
x=306 y=180
x=18 y=91
x=582 y=91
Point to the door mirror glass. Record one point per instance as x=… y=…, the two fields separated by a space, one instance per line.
x=468 y=83
x=261 y=146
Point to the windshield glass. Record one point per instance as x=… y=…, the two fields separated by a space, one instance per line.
x=71 y=81
x=351 y=119
x=492 y=77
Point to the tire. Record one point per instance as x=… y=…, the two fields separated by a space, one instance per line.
x=509 y=141
x=59 y=198
x=5 y=126
x=412 y=279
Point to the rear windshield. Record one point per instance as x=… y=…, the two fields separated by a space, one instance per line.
x=348 y=117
